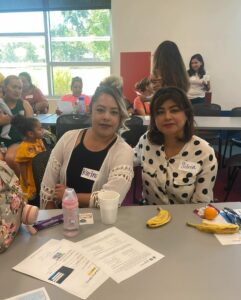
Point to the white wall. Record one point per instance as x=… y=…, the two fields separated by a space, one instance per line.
x=209 y=27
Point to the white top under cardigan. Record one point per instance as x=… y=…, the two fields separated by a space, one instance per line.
x=187 y=177
x=116 y=172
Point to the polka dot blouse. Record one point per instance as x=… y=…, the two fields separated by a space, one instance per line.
x=187 y=177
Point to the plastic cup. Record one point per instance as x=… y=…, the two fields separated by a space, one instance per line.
x=109 y=202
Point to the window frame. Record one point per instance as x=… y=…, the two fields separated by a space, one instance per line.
x=49 y=64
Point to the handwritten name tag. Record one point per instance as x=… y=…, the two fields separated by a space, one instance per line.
x=29 y=97
x=189 y=166
x=89 y=174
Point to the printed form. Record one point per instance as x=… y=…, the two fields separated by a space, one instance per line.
x=62 y=264
x=117 y=254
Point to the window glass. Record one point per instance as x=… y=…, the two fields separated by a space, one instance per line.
x=22 y=49
x=91 y=77
x=21 y=22
x=78 y=42
x=80 y=36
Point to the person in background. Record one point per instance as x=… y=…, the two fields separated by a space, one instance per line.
x=142 y=101
x=1 y=85
x=30 y=129
x=199 y=80
x=12 y=87
x=117 y=82
x=33 y=95
x=177 y=166
x=168 y=68
x=76 y=88
x=93 y=159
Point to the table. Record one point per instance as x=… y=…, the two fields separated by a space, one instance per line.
x=195 y=266
x=47 y=119
x=211 y=123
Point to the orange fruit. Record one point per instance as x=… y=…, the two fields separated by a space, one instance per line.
x=210 y=213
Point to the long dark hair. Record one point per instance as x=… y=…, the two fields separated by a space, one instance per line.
x=168 y=63
x=179 y=97
x=201 y=71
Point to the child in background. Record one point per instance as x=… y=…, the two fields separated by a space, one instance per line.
x=142 y=101
x=31 y=129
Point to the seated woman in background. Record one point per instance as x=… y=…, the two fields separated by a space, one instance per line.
x=12 y=87
x=76 y=88
x=33 y=95
x=169 y=68
x=142 y=101
x=199 y=80
x=177 y=166
x=92 y=159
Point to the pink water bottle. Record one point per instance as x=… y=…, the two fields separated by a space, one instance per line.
x=71 y=213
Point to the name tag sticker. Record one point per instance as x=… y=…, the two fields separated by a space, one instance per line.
x=89 y=174
x=29 y=97
x=189 y=166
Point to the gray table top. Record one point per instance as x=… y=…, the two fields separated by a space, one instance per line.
x=210 y=123
x=196 y=266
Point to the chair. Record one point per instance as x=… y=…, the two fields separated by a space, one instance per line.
x=234 y=165
x=132 y=135
x=232 y=136
x=135 y=129
x=68 y=122
x=211 y=109
x=39 y=164
x=213 y=136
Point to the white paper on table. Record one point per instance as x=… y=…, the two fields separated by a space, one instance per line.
x=227 y=239
x=38 y=294
x=65 y=106
x=63 y=265
x=119 y=255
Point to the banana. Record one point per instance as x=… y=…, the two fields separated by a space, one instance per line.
x=162 y=218
x=216 y=228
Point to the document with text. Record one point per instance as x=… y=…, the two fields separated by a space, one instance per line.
x=117 y=254
x=62 y=264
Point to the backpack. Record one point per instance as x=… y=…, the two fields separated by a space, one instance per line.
x=11 y=206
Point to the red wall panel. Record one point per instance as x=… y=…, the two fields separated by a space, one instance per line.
x=133 y=67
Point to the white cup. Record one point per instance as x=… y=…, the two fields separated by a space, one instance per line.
x=109 y=202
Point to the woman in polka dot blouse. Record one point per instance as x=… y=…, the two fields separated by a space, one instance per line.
x=177 y=166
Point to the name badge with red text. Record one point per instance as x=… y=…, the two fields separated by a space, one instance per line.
x=89 y=174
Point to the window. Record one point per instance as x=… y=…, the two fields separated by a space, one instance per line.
x=56 y=46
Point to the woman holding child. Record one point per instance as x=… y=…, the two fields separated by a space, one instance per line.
x=12 y=97
x=92 y=159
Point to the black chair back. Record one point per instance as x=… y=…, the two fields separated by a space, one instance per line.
x=211 y=109
x=235 y=112
x=68 y=122
x=39 y=164
x=135 y=130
